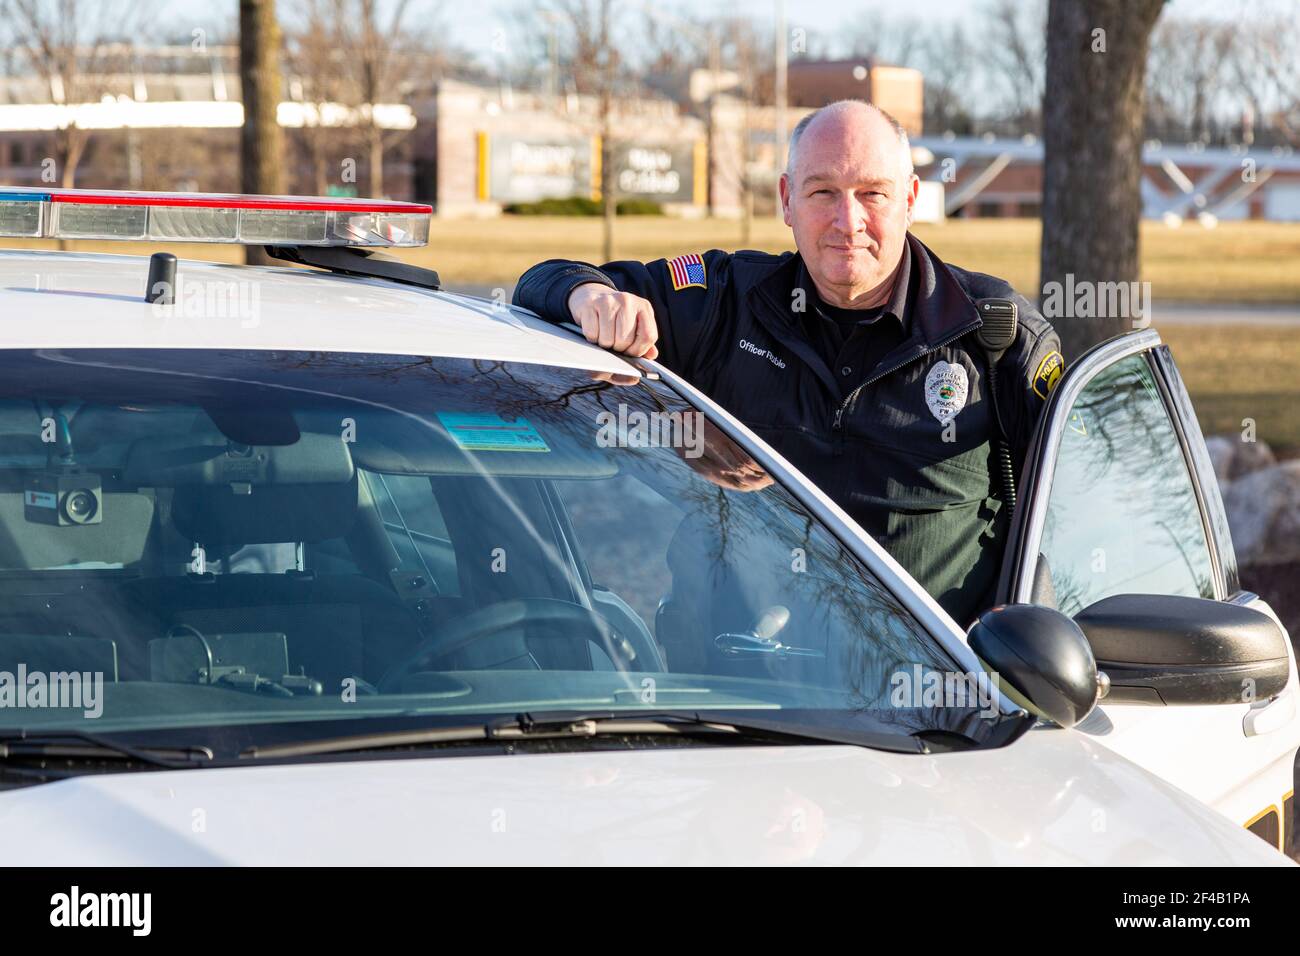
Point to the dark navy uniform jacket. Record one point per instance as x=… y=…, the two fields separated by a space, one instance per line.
x=906 y=447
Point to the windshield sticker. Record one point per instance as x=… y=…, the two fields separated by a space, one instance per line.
x=485 y=431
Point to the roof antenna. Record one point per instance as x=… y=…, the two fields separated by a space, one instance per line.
x=161 y=287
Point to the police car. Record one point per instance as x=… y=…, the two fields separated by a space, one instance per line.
x=330 y=565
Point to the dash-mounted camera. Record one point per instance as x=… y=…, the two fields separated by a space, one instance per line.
x=64 y=498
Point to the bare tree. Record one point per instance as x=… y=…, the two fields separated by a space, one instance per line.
x=665 y=56
x=312 y=54
x=1273 y=49
x=1251 y=79
x=1014 y=53
x=71 y=46
x=606 y=57
x=748 y=55
x=945 y=61
x=1092 y=139
x=584 y=37
x=1190 y=77
x=587 y=50
x=373 y=54
x=359 y=54
x=746 y=50
x=670 y=47
x=261 y=152
x=895 y=40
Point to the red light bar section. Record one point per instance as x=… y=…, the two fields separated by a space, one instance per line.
x=231 y=201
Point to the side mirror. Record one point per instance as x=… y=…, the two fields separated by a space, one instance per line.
x=1041 y=660
x=1164 y=649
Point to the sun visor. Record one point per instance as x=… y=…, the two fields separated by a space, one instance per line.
x=179 y=460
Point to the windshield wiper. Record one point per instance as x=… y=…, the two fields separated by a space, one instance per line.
x=543 y=726
x=778 y=731
x=80 y=745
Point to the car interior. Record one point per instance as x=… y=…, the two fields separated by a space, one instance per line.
x=218 y=535
x=284 y=561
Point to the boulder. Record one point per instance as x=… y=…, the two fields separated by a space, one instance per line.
x=1250 y=457
x=1264 y=514
x=1234 y=458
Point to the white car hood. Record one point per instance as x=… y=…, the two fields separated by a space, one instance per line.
x=1052 y=797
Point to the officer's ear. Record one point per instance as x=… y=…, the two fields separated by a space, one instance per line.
x=783 y=186
x=913 y=190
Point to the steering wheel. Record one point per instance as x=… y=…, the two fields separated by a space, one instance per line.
x=549 y=616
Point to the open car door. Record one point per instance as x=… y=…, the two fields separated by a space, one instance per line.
x=1120 y=525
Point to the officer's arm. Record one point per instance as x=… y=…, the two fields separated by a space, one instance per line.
x=1036 y=366
x=681 y=309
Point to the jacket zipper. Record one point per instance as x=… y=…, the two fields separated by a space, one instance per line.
x=837 y=423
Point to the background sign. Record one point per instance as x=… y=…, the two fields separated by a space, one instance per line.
x=528 y=169
x=661 y=173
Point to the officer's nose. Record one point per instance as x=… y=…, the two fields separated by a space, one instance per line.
x=849 y=218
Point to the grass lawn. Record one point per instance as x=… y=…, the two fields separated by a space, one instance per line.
x=1237 y=372
x=1235 y=262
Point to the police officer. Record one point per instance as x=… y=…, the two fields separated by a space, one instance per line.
x=858 y=357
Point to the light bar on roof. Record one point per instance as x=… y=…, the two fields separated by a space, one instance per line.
x=208 y=217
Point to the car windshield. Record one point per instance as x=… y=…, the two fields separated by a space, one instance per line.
x=233 y=540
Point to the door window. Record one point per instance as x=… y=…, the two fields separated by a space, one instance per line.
x=1123 y=517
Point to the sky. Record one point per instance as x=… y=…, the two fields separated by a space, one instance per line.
x=476 y=33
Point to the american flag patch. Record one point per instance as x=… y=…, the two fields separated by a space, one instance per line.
x=687 y=271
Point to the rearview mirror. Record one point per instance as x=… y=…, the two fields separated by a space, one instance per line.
x=1165 y=649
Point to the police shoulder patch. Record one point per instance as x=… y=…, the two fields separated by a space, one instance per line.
x=687 y=271
x=1048 y=374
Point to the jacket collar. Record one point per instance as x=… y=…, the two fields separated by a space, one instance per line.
x=938 y=305
x=939 y=309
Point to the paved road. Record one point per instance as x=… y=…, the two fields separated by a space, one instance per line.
x=1214 y=313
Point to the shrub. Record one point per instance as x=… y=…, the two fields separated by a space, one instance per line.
x=583 y=206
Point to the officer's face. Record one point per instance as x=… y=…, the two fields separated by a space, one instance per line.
x=849 y=202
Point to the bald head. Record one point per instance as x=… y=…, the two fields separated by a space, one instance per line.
x=846 y=122
x=848 y=193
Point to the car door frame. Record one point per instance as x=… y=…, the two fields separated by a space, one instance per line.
x=1018 y=578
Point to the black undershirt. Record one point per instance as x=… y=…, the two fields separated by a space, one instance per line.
x=848 y=319
x=853 y=341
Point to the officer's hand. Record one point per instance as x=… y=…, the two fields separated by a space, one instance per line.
x=716 y=458
x=615 y=320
